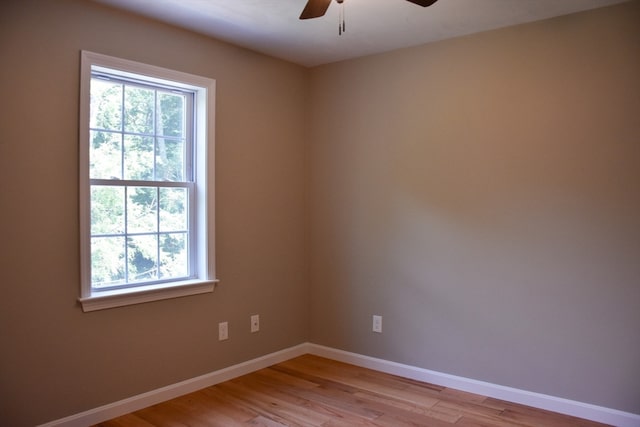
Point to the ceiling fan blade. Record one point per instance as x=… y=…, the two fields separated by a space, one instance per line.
x=315 y=9
x=423 y=3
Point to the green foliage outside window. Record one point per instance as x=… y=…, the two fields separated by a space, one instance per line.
x=139 y=229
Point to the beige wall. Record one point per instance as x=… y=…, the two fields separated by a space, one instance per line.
x=55 y=360
x=482 y=194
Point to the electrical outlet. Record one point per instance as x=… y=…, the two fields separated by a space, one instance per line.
x=223 y=331
x=255 y=323
x=377 y=323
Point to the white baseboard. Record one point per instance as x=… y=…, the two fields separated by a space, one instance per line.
x=135 y=403
x=556 y=404
x=551 y=403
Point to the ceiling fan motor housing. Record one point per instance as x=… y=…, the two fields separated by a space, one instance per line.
x=317 y=8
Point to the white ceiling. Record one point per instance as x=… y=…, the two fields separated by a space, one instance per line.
x=372 y=26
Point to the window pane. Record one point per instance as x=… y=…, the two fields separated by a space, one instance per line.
x=139 y=110
x=106 y=105
x=107 y=210
x=105 y=155
x=173 y=212
x=143 y=258
x=173 y=255
x=107 y=261
x=171 y=114
x=170 y=165
x=138 y=157
x=142 y=209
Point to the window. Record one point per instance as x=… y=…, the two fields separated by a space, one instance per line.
x=144 y=189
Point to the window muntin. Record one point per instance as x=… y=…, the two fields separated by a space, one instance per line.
x=146 y=197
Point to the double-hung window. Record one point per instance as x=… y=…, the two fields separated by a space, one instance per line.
x=144 y=189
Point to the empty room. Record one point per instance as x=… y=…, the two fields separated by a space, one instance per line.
x=320 y=213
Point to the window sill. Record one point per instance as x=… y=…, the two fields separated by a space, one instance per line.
x=122 y=297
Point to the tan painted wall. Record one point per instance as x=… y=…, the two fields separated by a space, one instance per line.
x=482 y=194
x=55 y=360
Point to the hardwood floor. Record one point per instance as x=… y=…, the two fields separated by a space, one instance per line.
x=313 y=391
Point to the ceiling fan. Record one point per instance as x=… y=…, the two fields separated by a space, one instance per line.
x=317 y=8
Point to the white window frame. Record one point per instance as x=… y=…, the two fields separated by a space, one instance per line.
x=203 y=260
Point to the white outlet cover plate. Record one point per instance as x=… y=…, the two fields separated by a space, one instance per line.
x=255 y=323
x=223 y=331
x=377 y=323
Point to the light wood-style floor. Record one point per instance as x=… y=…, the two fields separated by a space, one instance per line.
x=313 y=391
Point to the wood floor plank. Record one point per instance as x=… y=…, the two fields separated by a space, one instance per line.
x=386 y=385
x=342 y=401
x=317 y=392
x=242 y=406
x=129 y=420
x=215 y=410
x=265 y=407
x=261 y=421
x=485 y=421
x=339 y=410
x=305 y=406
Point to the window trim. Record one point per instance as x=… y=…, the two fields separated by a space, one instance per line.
x=204 y=89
